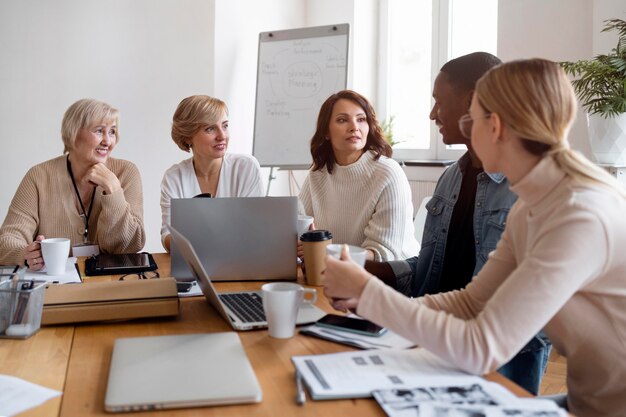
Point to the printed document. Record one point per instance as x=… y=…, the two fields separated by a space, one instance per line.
x=357 y=374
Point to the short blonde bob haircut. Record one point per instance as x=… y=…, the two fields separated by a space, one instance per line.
x=192 y=114
x=84 y=114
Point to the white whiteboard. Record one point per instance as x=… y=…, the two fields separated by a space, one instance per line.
x=297 y=70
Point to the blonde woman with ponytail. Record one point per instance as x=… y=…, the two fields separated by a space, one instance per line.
x=560 y=263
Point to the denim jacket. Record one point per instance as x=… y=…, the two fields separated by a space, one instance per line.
x=493 y=201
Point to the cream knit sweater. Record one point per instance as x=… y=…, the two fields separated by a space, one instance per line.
x=367 y=203
x=559 y=266
x=44 y=205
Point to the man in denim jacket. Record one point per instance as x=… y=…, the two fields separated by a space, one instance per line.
x=466 y=215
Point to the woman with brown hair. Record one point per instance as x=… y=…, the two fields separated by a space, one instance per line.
x=354 y=189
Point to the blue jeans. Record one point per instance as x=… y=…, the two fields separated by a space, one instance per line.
x=527 y=367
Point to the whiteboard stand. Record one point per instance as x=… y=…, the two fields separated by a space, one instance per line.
x=289 y=168
x=269 y=181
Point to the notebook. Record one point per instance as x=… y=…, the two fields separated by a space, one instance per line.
x=234 y=307
x=177 y=371
x=224 y=231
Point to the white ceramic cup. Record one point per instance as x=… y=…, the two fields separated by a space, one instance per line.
x=357 y=254
x=281 y=302
x=303 y=224
x=55 y=252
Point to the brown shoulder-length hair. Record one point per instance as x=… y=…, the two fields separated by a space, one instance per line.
x=321 y=148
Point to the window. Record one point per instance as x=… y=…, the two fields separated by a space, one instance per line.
x=421 y=36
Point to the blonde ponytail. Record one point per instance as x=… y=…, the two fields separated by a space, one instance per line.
x=535 y=99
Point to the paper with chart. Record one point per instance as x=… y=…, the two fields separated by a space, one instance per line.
x=357 y=374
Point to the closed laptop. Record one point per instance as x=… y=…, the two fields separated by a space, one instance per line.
x=178 y=371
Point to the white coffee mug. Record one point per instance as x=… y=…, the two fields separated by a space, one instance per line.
x=357 y=254
x=304 y=222
x=281 y=302
x=55 y=252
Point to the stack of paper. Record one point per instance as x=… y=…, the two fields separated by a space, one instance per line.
x=357 y=374
x=480 y=399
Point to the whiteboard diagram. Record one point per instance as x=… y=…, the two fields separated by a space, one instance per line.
x=297 y=70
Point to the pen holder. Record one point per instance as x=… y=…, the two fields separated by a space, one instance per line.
x=21 y=304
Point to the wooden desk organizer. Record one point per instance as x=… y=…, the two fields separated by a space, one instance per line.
x=110 y=300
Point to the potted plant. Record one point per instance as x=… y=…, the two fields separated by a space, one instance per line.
x=600 y=84
x=387 y=128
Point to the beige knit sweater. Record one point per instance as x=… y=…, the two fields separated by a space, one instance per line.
x=44 y=205
x=559 y=266
x=367 y=203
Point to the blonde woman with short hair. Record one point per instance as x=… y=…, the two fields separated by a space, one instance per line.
x=83 y=195
x=200 y=126
x=559 y=265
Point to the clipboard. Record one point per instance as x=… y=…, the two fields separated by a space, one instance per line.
x=124 y=263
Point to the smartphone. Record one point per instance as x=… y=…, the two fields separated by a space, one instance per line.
x=182 y=286
x=349 y=324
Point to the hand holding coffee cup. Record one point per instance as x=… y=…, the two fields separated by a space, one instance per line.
x=32 y=254
x=55 y=252
x=357 y=254
x=281 y=302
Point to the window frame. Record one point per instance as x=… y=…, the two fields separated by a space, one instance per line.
x=441 y=45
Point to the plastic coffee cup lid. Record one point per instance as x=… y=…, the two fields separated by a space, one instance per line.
x=316 y=236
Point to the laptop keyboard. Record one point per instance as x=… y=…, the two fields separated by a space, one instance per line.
x=247 y=306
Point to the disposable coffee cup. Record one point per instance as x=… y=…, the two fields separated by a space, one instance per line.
x=55 y=252
x=357 y=254
x=281 y=302
x=304 y=222
x=314 y=244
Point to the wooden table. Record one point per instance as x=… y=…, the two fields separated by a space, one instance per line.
x=75 y=360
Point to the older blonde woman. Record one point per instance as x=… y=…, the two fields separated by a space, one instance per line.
x=200 y=126
x=559 y=265
x=84 y=195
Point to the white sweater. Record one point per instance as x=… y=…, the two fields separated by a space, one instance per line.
x=559 y=266
x=367 y=204
x=240 y=176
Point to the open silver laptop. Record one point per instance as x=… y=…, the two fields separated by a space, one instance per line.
x=238 y=239
x=175 y=371
x=243 y=310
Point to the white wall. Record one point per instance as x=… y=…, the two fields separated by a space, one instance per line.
x=560 y=30
x=140 y=56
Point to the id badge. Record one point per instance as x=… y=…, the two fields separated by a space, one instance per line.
x=85 y=249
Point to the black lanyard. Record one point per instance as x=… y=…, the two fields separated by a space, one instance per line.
x=80 y=200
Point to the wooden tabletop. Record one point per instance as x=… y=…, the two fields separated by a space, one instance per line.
x=75 y=360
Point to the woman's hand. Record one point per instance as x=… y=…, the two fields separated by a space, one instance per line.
x=344 y=281
x=100 y=175
x=32 y=254
x=300 y=248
